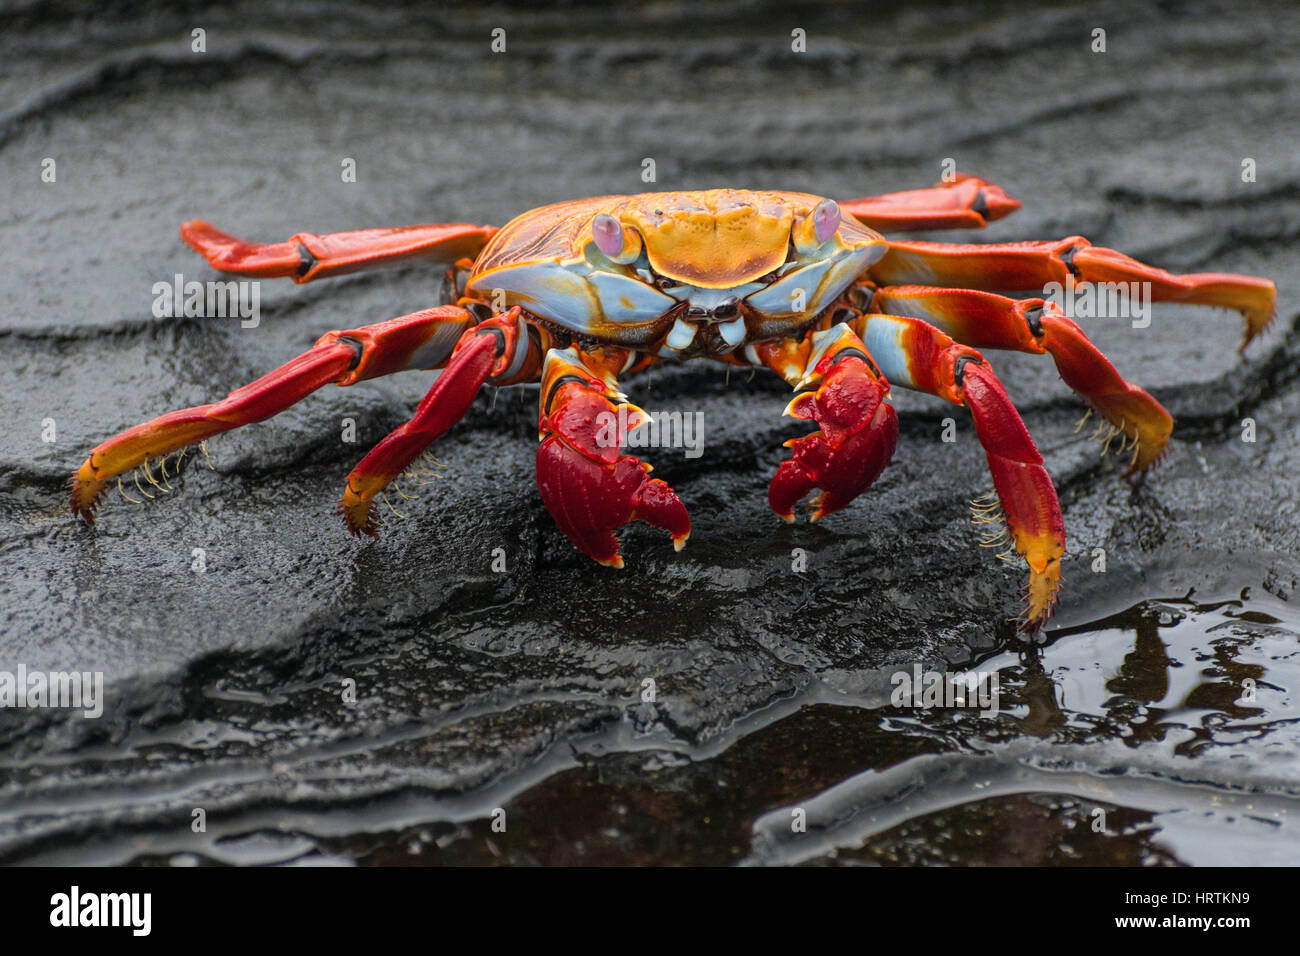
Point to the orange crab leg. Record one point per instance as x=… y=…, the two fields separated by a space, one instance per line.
x=966 y=203
x=917 y=355
x=840 y=388
x=988 y=320
x=420 y=340
x=587 y=484
x=1017 y=266
x=307 y=256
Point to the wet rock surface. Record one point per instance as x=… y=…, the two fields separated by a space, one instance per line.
x=524 y=690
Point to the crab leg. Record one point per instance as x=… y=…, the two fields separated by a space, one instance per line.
x=420 y=340
x=587 y=484
x=1017 y=266
x=916 y=355
x=306 y=256
x=988 y=320
x=965 y=203
x=497 y=349
x=840 y=389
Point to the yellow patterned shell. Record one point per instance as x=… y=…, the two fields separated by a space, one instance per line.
x=714 y=239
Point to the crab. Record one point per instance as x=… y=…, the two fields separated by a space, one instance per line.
x=575 y=295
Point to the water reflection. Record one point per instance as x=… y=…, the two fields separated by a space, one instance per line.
x=1179 y=665
x=1167 y=734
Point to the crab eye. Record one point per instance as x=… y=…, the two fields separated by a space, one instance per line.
x=663 y=283
x=608 y=234
x=826 y=219
x=817 y=227
x=619 y=244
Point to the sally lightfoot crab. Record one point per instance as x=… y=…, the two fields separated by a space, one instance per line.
x=576 y=294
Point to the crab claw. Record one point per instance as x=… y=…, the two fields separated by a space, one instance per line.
x=590 y=488
x=589 y=500
x=859 y=431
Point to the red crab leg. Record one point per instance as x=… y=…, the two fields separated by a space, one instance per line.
x=966 y=203
x=916 y=355
x=420 y=340
x=1016 y=266
x=306 y=256
x=498 y=348
x=988 y=320
x=587 y=484
x=840 y=389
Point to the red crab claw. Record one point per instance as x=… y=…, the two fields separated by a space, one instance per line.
x=859 y=430
x=590 y=487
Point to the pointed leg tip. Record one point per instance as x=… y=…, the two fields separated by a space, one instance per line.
x=679 y=541
x=201 y=236
x=1030 y=630
x=999 y=205
x=1145 y=464
x=84 y=513
x=85 y=493
x=825 y=504
x=359 y=518
x=1257 y=323
x=1044 y=585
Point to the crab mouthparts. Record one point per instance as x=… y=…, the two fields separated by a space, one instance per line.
x=721 y=312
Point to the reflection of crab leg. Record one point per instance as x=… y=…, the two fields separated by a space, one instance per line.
x=500 y=349
x=988 y=320
x=306 y=256
x=1018 y=266
x=842 y=391
x=916 y=355
x=587 y=484
x=420 y=340
x=965 y=203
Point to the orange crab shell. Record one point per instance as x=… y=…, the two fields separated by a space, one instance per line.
x=716 y=239
x=712 y=239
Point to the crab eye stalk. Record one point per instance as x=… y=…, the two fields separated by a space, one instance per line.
x=826 y=219
x=818 y=226
x=617 y=243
